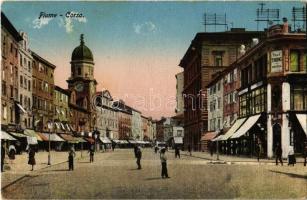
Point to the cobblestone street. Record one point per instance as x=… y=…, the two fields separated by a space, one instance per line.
x=114 y=175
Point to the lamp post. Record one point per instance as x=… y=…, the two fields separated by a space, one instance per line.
x=217 y=148
x=82 y=134
x=50 y=125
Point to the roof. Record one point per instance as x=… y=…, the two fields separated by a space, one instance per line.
x=10 y=27
x=82 y=52
x=46 y=62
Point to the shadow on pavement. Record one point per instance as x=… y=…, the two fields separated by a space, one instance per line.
x=290 y=174
x=154 y=178
x=58 y=170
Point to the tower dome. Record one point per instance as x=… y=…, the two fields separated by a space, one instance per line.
x=82 y=52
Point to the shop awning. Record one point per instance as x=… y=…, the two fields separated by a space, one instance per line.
x=123 y=141
x=20 y=135
x=219 y=138
x=41 y=135
x=302 y=118
x=105 y=140
x=63 y=127
x=32 y=140
x=80 y=139
x=209 y=136
x=21 y=108
x=177 y=140
x=132 y=141
x=69 y=138
x=53 y=137
x=90 y=140
x=233 y=129
x=71 y=128
x=67 y=127
x=116 y=141
x=246 y=126
x=5 y=136
x=32 y=133
x=57 y=125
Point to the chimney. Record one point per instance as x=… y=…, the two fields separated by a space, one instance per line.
x=285 y=27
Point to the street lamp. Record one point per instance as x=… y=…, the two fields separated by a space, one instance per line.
x=50 y=125
x=82 y=134
x=217 y=147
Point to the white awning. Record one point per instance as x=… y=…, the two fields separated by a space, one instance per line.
x=63 y=127
x=233 y=129
x=67 y=127
x=57 y=125
x=21 y=108
x=178 y=140
x=219 y=138
x=5 y=136
x=105 y=140
x=246 y=126
x=53 y=137
x=32 y=140
x=302 y=118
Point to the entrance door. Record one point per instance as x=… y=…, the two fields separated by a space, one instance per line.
x=276 y=135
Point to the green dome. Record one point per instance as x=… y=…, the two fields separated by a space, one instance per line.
x=82 y=52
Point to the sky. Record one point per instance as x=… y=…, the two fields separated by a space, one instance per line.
x=137 y=46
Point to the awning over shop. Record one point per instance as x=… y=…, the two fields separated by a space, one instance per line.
x=219 y=138
x=105 y=140
x=71 y=128
x=53 y=137
x=21 y=108
x=177 y=140
x=90 y=140
x=41 y=135
x=69 y=138
x=20 y=135
x=80 y=139
x=32 y=133
x=63 y=127
x=5 y=136
x=246 y=126
x=116 y=141
x=302 y=118
x=132 y=141
x=32 y=140
x=57 y=125
x=232 y=130
x=123 y=141
x=209 y=136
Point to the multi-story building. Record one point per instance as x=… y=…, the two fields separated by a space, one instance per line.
x=151 y=129
x=61 y=116
x=42 y=91
x=9 y=75
x=208 y=53
x=82 y=88
x=25 y=82
x=145 y=128
x=107 y=116
x=179 y=90
x=124 y=120
x=136 y=125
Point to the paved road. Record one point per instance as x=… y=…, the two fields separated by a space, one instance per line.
x=114 y=175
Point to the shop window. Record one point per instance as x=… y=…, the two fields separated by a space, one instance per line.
x=294 y=61
x=298 y=97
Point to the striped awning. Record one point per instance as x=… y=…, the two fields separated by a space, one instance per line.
x=20 y=135
x=5 y=136
x=69 y=138
x=53 y=137
x=32 y=133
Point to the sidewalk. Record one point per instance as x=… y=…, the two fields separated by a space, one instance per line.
x=19 y=168
x=230 y=159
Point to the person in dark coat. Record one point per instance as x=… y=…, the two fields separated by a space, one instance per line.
x=291 y=157
x=2 y=157
x=92 y=152
x=135 y=150
x=211 y=148
x=138 y=157
x=189 y=150
x=258 y=151
x=305 y=153
x=177 y=152
x=278 y=154
x=32 y=157
x=163 y=159
x=71 y=156
x=156 y=149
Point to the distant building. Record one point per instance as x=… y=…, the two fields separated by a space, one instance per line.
x=124 y=120
x=136 y=125
x=61 y=116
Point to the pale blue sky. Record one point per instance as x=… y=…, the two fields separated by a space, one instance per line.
x=128 y=39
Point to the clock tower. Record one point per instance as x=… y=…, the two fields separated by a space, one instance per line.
x=82 y=83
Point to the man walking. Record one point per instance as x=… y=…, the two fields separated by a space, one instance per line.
x=71 y=156
x=258 y=151
x=2 y=157
x=189 y=150
x=278 y=154
x=177 y=152
x=138 y=157
x=91 y=151
x=163 y=159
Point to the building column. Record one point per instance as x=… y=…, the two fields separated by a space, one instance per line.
x=285 y=131
x=269 y=123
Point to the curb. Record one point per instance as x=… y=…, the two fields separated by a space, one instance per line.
x=31 y=172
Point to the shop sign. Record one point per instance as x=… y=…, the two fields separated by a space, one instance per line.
x=276 y=61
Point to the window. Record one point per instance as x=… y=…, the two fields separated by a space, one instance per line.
x=219 y=103
x=79 y=70
x=4 y=111
x=3 y=88
x=29 y=66
x=11 y=91
x=20 y=60
x=20 y=99
x=299 y=98
x=218 y=58
x=11 y=50
x=21 y=81
x=294 y=61
x=29 y=85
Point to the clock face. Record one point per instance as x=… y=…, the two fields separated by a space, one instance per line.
x=79 y=87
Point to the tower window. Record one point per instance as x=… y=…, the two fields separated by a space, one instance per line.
x=79 y=70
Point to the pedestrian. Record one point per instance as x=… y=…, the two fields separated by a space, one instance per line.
x=32 y=157
x=163 y=159
x=291 y=157
x=278 y=154
x=12 y=153
x=71 y=155
x=135 y=150
x=2 y=157
x=156 y=149
x=305 y=153
x=113 y=146
x=258 y=151
x=177 y=152
x=91 y=152
x=138 y=157
x=189 y=150
x=211 y=148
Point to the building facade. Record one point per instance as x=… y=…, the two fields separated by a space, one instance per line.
x=10 y=39
x=25 y=82
x=61 y=116
x=208 y=53
x=136 y=125
x=179 y=89
x=42 y=91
